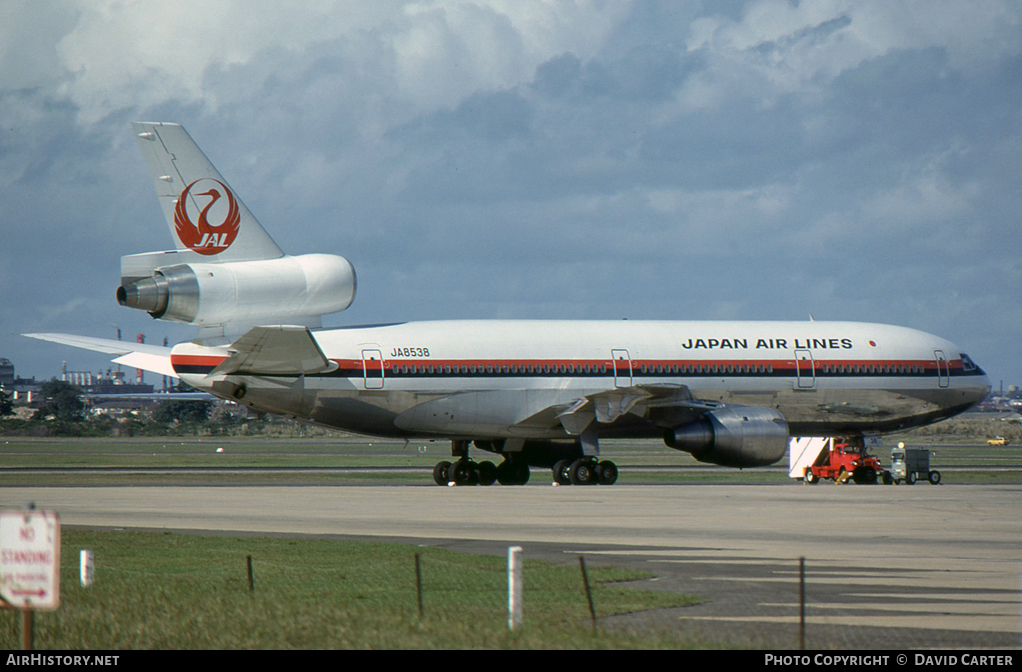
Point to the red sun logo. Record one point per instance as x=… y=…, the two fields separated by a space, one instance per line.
x=207 y=237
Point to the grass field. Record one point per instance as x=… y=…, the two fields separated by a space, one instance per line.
x=174 y=591
x=188 y=591
x=345 y=459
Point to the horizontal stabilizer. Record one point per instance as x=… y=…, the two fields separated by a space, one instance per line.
x=283 y=350
x=154 y=358
x=149 y=362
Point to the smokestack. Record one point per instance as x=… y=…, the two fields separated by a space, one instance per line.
x=139 y=372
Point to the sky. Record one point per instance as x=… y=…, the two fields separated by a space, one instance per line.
x=590 y=159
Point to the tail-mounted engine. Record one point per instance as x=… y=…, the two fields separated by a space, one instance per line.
x=283 y=290
x=733 y=436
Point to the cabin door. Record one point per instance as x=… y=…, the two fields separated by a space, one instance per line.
x=805 y=369
x=622 y=368
x=943 y=375
x=372 y=369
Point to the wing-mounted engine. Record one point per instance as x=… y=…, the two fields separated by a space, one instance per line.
x=733 y=436
x=294 y=290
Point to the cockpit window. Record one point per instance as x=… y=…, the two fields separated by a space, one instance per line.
x=967 y=364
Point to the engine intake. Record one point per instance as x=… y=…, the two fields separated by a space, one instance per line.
x=733 y=436
x=271 y=290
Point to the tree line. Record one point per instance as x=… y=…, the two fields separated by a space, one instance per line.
x=63 y=410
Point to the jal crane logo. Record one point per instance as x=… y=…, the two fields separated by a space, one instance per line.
x=207 y=237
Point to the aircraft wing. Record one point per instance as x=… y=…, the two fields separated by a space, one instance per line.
x=670 y=403
x=279 y=350
x=155 y=358
x=536 y=412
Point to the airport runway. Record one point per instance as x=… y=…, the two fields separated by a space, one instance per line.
x=892 y=567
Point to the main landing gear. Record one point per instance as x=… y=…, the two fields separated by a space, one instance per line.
x=469 y=472
x=585 y=471
x=572 y=469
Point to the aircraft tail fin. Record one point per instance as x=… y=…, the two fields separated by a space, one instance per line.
x=204 y=214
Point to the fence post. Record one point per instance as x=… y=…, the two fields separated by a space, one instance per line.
x=418 y=582
x=85 y=567
x=514 y=586
x=802 y=603
x=589 y=594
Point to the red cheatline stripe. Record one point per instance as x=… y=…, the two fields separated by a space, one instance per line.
x=196 y=360
x=606 y=366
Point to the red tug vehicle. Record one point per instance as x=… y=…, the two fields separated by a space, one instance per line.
x=846 y=460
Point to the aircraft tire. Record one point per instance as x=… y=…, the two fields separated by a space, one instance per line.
x=934 y=477
x=582 y=472
x=606 y=473
x=487 y=473
x=560 y=472
x=440 y=472
x=509 y=473
x=462 y=472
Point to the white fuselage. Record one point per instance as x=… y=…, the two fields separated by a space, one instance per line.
x=490 y=378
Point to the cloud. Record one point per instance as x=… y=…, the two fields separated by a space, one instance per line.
x=133 y=54
x=531 y=158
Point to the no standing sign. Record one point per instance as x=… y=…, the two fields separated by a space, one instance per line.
x=29 y=559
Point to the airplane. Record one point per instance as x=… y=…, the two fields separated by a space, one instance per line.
x=534 y=393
